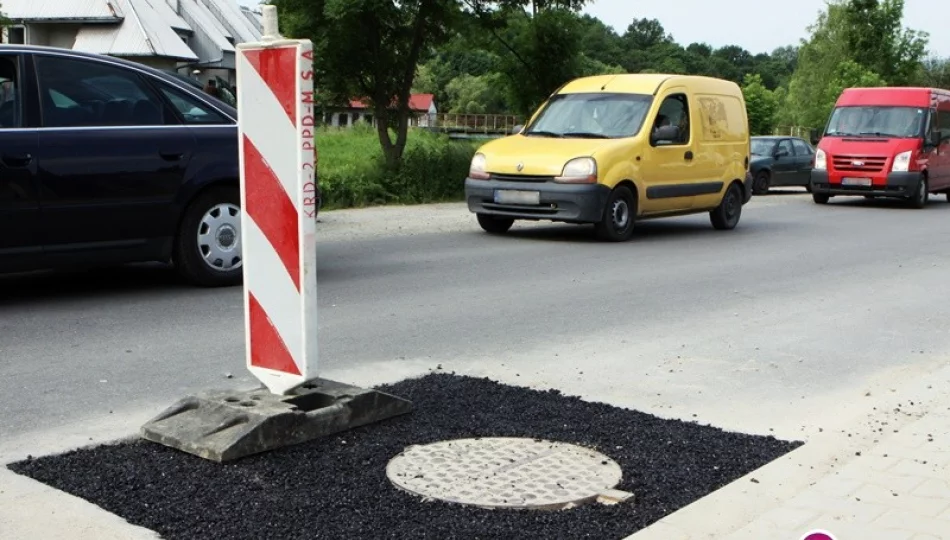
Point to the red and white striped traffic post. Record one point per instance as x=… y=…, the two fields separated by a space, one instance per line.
x=279 y=203
x=278 y=230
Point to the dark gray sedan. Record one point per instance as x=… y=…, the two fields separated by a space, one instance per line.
x=780 y=161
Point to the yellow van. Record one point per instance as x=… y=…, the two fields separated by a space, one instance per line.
x=614 y=149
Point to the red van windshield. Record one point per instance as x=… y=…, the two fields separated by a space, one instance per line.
x=902 y=122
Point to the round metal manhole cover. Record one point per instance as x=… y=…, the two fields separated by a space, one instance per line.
x=504 y=473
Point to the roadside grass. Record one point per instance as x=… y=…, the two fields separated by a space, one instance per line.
x=352 y=172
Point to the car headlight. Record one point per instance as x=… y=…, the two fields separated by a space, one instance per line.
x=477 y=169
x=821 y=160
x=901 y=162
x=579 y=171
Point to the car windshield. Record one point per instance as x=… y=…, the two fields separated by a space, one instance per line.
x=877 y=121
x=762 y=147
x=591 y=115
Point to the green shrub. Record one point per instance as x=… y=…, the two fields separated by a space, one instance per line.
x=352 y=172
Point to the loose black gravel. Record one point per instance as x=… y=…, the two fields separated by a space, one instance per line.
x=337 y=487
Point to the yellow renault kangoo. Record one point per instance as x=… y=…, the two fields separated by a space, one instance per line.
x=615 y=149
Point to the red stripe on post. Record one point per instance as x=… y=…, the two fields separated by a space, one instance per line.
x=269 y=205
x=268 y=350
x=274 y=65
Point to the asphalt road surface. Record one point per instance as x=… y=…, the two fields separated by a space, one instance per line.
x=776 y=325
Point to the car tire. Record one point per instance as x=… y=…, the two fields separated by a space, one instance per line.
x=208 y=247
x=620 y=213
x=726 y=216
x=760 y=186
x=921 y=195
x=820 y=198
x=495 y=224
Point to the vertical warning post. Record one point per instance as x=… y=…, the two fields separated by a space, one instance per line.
x=278 y=200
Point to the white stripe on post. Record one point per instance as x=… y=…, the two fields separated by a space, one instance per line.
x=269 y=128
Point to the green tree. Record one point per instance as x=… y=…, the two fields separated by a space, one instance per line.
x=371 y=49
x=829 y=58
x=935 y=73
x=876 y=40
x=761 y=105
x=471 y=94
x=538 y=51
x=849 y=74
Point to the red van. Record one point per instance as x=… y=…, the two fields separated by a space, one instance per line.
x=885 y=142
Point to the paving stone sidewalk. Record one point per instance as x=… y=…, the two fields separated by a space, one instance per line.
x=899 y=490
x=885 y=477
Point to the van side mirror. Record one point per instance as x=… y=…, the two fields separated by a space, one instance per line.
x=935 y=138
x=665 y=134
x=517 y=129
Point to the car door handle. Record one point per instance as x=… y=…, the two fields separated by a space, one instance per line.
x=17 y=160
x=688 y=156
x=172 y=156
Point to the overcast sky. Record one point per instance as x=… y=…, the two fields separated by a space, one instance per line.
x=756 y=25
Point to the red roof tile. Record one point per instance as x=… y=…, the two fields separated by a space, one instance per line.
x=417 y=102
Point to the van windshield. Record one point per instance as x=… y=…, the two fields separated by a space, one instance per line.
x=591 y=115
x=878 y=122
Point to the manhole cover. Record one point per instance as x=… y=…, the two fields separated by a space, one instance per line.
x=504 y=473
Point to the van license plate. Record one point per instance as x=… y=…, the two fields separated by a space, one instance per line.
x=856 y=181
x=512 y=196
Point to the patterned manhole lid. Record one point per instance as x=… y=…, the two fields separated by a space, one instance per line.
x=505 y=473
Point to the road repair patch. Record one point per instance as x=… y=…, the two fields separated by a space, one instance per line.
x=337 y=487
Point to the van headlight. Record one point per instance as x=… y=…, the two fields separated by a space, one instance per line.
x=821 y=160
x=579 y=171
x=477 y=169
x=902 y=162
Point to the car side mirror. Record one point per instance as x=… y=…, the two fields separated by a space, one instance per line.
x=665 y=134
x=517 y=129
x=781 y=153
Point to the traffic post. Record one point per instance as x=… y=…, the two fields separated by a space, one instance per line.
x=278 y=164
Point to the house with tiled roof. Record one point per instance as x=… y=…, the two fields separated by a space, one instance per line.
x=192 y=37
x=423 y=108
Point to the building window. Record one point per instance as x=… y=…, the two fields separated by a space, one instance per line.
x=16 y=35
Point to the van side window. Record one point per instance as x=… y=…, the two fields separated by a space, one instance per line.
x=942 y=124
x=10 y=115
x=674 y=111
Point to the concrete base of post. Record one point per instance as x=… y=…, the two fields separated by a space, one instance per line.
x=223 y=426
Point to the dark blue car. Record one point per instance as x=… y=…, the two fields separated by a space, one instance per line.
x=779 y=161
x=105 y=161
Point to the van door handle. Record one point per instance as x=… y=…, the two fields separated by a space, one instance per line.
x=688 y=156
x=17 y=160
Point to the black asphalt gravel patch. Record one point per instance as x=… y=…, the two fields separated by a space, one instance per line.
x=337 y=487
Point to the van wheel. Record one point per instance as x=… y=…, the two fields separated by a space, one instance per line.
x=820 y=198
x=619 y=215
x=495 y=224
x=208 y=246
x=761 y=184
x=726 y=215
x=922 y=195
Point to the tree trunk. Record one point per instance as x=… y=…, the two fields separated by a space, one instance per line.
x=392 y=151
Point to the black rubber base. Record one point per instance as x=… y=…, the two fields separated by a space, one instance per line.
x=336 y=487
